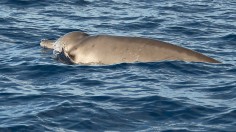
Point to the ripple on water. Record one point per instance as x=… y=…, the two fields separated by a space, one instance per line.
x=38 y=93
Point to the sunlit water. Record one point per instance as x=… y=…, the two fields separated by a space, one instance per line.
x=38 y=93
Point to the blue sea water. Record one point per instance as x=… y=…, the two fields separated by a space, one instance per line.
x=38 y=93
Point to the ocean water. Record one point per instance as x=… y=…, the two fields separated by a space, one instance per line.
x=38 y=93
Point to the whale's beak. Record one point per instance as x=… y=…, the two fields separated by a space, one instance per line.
x=47 y=43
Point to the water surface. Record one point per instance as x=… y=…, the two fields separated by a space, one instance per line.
x=38 y=93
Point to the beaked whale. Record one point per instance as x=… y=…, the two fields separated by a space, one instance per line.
x=81 y=48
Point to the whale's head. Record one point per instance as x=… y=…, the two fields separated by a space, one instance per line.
x=64 y=45
x=66 y=42
x=69 y=41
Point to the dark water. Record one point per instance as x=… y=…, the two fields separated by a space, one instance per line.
x=38 y=93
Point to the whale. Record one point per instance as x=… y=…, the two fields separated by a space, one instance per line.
x=81 y=48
